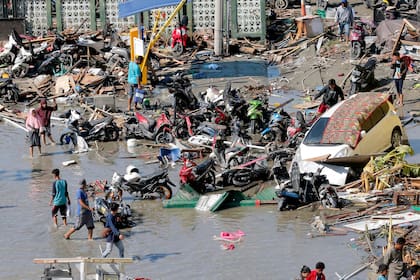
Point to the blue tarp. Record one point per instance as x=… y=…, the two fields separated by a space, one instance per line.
x=132 y=7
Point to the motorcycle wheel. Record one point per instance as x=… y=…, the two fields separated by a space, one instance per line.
x=155 y=64
x=164 y=191
x=111 y=133
x=252 y=126
x=20 y=71
x=269 y=137
x=8 y=58
x=178 y=49
x=356 y=50
x=354 y=88
x=241 y=178
x=295 y=177
x=13 y=95
x=281 y=4
x=281 y=206
x=66 y=138
x=330 y=201
x=164 y=137
x=67 y=60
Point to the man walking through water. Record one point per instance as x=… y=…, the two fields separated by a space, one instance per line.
x=114 y=237
x=59 y=198
x=84 y=212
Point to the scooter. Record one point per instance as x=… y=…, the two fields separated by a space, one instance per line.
x=154 y=186
x=229 y=157
x=277 y=127
x=102 y=129
x=143 y=127
x=179 y=39
x=244 y=174
x=357 y=38
x=363 y=76
x=200 y=177
x=102 y=208
x=10 y=50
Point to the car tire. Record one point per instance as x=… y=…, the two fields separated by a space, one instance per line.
x=395 y=138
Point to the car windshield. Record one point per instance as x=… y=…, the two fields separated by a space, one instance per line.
x=315 y=134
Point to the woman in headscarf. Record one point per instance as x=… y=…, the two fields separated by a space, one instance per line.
x=33 y=124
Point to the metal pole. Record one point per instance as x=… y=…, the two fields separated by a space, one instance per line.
x=218 y=24
x=59 y=15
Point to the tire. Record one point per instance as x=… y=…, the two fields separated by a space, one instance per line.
x=13 y=95
x=241 y=178
x=356 y=50
x=111 y=133
x=354 y=88
x=8 y=59
x=20 y=71
x=269 y=137
x=164 y=137
x=295 y=177
x=155 y=64
x=395 y=138
x=66 y=138
x=165 y=192
x=281 y=4
x=67 y=60
x=210 y=178
x=281 y=206
x=178 y=49
x=252 y=126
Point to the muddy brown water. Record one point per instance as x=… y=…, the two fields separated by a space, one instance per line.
x=166 y=243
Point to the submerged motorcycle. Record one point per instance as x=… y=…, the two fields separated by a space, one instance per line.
x=154 y=186
x=200 y=177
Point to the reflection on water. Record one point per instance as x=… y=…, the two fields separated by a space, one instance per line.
x=166 y=243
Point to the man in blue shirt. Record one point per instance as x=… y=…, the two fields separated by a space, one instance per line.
x=114 y=236
x=84 y=212
x=59 y=198
x=134 y=79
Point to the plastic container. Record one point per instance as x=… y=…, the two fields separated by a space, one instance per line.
x=314 y=27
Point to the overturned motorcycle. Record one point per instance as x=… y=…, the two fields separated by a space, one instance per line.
x=154 y=186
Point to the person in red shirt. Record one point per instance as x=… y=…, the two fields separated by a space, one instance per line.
x=317 y=273
x=44 y=112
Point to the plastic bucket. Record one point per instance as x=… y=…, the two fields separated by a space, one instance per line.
x=308 y=10
x=132 y=143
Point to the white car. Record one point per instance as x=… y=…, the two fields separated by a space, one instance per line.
x=364 y=124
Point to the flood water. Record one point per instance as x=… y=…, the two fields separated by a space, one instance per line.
x=167 y=243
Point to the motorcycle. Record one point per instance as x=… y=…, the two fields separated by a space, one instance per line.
x=154 y=186
x=184 y=98
x=229 y=157
x=277 y=127
x=315 y=187
x=142 y=127
x=9 y=91
x=188 y=125
x=102 y=129
x=102 y=208
x=11 y=49
x=25 y=58
x=179 y=39
x=200 y=177
x=357 y=38
x=363 y=76
x=256 y=113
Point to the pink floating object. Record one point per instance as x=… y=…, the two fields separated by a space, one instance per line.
x=232 y=235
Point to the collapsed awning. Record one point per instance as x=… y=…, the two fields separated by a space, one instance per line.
x=132 y=7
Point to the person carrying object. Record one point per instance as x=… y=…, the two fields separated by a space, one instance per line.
x=134 y=79
x=344 y=17
x=84 y=213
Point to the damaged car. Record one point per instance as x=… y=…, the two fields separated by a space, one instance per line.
x=363 y=125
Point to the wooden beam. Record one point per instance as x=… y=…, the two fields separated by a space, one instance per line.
x=398 y=38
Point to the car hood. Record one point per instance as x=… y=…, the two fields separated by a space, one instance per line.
x=311 y=152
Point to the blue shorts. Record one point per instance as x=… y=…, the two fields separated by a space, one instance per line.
x=344 y=28
x=399 y=85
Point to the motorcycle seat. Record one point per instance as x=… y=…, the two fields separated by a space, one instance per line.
x=370 y=64
x=202 y=167
x=153 y=176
